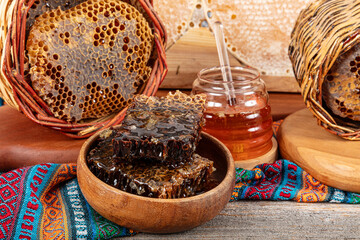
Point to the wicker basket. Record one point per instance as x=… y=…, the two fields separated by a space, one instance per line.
x=19 y=94
x=324 y=30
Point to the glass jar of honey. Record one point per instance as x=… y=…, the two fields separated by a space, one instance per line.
x=237 y=112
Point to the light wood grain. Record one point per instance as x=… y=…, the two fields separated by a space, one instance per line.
x=327 y=157
x=197 y=50
x=269 y=157
x=276 y=220
x=194 y=51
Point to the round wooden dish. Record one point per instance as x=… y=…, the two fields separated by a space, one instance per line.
x=160 y=215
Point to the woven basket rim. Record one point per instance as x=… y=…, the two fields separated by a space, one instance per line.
x=18 y=93
x=314 y=47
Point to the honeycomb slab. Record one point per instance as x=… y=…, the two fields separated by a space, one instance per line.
x=148 y=178
x=165 y=129
x=90 y=60
x=341 y=86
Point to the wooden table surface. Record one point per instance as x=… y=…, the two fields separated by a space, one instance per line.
x=276 y=220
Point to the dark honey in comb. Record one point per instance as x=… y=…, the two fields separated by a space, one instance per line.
x=165 y=129
x=146 y=177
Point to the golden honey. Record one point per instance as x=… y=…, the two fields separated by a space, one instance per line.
x=245 y=125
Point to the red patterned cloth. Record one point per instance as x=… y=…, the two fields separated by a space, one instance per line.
x=45 y=202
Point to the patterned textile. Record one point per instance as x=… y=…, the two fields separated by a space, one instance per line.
x=284 y=180
x=45 y=202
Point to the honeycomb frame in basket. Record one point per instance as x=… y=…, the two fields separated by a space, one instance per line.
x=324 y=31
x=18 y=93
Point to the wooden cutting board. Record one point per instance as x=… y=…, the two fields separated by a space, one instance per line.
x=327 y=157
x=25 y=143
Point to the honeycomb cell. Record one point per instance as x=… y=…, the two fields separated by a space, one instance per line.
x=341 y=85
x=113 y=32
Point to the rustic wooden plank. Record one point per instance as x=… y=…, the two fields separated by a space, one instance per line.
x=276 y=220
x=191 y=53
x=24 y=143
x=197 y=50
x=282 y=104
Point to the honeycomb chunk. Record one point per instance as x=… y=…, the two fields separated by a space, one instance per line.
x=90 y=60
x=149 y=178
x=41 y=6
x=165 y=129
x=341 y=86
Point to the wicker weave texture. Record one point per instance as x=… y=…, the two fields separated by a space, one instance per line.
x=323 y=31
x=18 y=93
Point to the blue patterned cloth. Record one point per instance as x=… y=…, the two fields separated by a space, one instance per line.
x=284 y=180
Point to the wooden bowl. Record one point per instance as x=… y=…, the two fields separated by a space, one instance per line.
x=154 y=215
